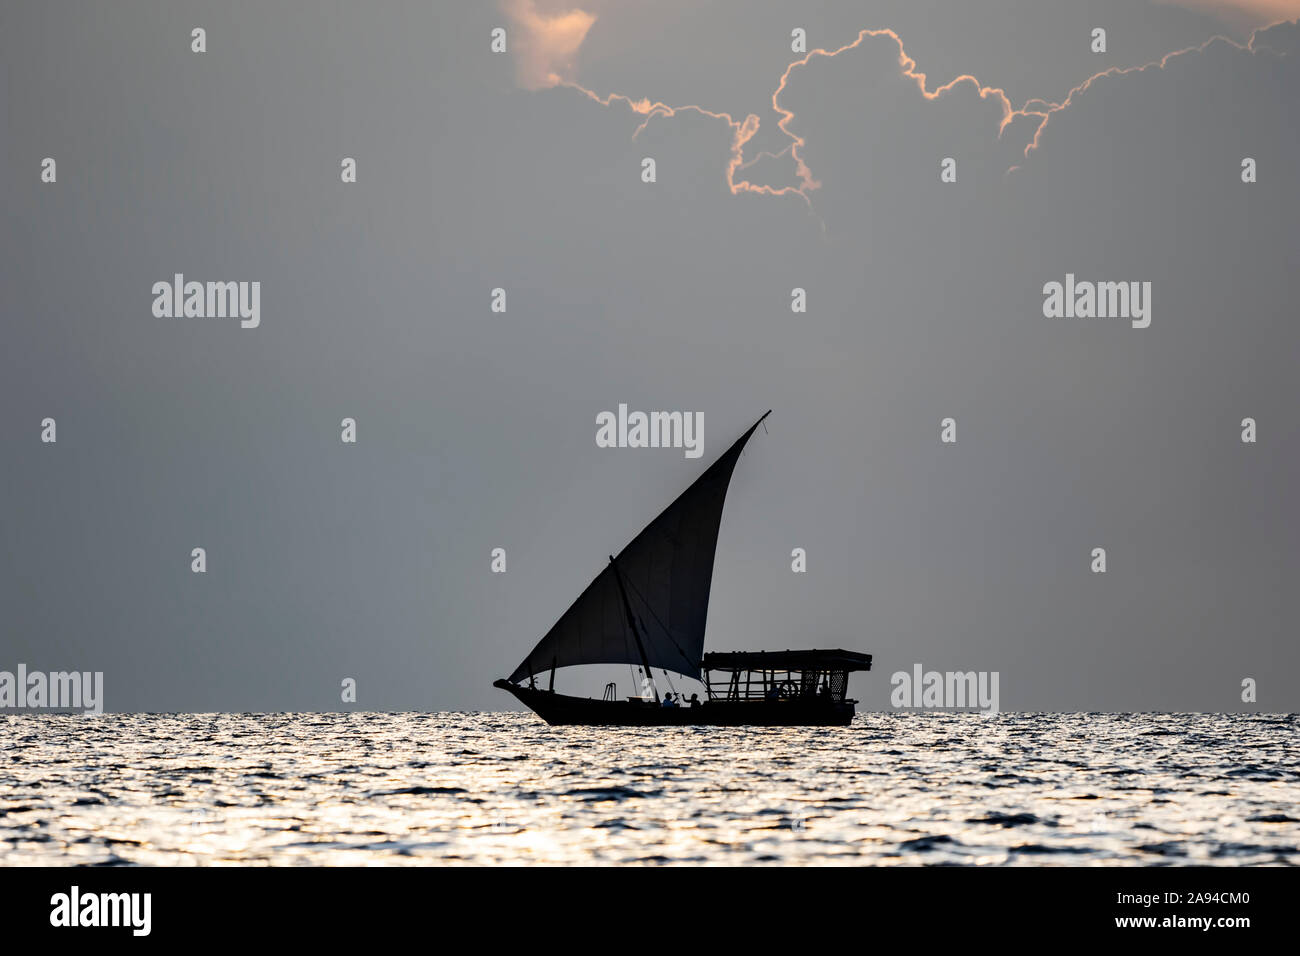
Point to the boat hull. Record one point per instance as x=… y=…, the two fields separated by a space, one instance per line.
x=560 y=709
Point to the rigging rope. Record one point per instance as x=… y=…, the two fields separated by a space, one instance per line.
x=650 y=608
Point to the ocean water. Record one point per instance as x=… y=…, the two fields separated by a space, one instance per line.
x=488 y=788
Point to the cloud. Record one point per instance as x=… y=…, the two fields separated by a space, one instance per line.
x=545 y=45
x=872 y=65
x=1244 y=14
x=876 y=60
x=864 y=118
x=1220 y=76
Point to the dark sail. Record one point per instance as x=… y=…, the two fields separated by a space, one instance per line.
x=666 y=571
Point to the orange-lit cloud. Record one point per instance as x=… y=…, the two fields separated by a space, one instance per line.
x=543 y=44
x=744 y=130
x=550 y=44
x=907 y=67
x=741 y=131
x=1245 y=13
x=1051 y=109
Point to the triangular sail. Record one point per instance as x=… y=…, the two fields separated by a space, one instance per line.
x=667 y=571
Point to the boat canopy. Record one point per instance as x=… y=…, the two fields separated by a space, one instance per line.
x=811 y=660
x=649 y=605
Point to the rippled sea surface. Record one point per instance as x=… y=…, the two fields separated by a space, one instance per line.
x=1017 y=789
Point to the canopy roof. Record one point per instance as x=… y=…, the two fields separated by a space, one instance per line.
x=827 y=660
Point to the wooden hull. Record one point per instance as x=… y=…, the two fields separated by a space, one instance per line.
x=559 y=709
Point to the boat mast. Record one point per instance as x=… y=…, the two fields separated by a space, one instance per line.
x=631 y=622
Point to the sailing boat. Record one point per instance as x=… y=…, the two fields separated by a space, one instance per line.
x=648 y=607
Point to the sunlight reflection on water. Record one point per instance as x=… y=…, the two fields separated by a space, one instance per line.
x=1021 y=789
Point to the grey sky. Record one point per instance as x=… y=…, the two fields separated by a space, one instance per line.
x=476 y=430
